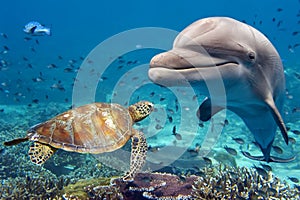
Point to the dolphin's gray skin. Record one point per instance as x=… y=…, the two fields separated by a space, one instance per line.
x=217 y=48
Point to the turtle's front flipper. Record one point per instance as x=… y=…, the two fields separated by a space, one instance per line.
x=138 y=154
x=15 y=141
x=39 y=153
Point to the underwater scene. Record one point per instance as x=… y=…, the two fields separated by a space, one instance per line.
x=150 y=99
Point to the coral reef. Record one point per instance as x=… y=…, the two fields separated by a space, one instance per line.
x=218 y=182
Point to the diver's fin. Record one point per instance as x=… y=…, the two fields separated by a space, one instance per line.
x=15 y=141
x=272 y=158
x=39 y=153
x=206 y=110
x=277 y=117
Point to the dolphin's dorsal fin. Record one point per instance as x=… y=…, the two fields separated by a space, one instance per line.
x=277 y=117
x=206 y=110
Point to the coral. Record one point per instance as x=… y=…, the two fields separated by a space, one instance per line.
x=218 y=182
x=80 y=189
x=223 y=182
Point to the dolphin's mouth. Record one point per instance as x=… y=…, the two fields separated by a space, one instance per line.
x=182 y=60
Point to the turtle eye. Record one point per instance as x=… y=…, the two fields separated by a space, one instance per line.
x=251 y=56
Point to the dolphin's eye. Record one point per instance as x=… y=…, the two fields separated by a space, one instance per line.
x=251 y=55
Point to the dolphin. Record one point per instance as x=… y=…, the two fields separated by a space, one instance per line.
x=249 y=66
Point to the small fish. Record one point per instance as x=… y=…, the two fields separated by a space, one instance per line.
x=177 y=135
x=261 y=171
x=35 y=101
x=60 y=57
x=296 y=132
x=58 y=86
x=153 y=149
x=37 y=42
x=68 y=69
x=2 y=110
x=207 y=160
x=230 y=150
x=266 y=167
x=38 y=79
x=279 y=9
x=294 y=179
x=4 y=35
x=292 y=140
x=36 y=29
x=170 y=118
x=296 y=45
x=238 y=140
x=6 y=48
x=152 y=94
x=277 y=149
x=27 y=39
x=51 y=66
x=295 y=33
x=274 y=19
x=162 y=99
x=279 y=23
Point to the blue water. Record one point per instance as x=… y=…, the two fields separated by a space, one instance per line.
x=79 y=26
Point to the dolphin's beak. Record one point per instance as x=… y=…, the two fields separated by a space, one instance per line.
x=180 y=66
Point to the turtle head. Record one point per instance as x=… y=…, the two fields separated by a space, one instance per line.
x=140 y=110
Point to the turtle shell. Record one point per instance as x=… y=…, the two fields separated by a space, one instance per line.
x=92 y=128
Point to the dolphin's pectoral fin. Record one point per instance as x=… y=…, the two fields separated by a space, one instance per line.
x=278 y=119
x=271 y=159
x=206 y=110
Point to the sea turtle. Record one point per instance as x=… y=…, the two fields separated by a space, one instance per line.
x=92 y=128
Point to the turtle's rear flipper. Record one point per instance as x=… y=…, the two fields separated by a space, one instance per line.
x=272 y=158
x=39 y=153
x=15 y=141
x=138 y=154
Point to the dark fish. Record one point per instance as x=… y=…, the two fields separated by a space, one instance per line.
x=261 y=171
x=153 y=149
x=292 y=140
x=279 y=23
x=46 y=96
x=29 y=65
x=207 y=160
x=58 y=86
x=6 y=48
x=230 y=150
x=37 y=79
x=35 y=101
x=158 y=126
x=279 y=9
x=27 y=38
x=68 y=69
x=32 y=49
x=295 y=33
x=273 y=20
x=294 y=179
x=177 y=135
x=152 y=94
x=238 y=140
x=2 y=110
x=277 y=149
x=25 y=59
x=162 y=99
x=296 y=45
x=296 y=132
x=60 y=57
x=170 y=118
x=266 y=167
x=51 y=66
x=37 y=42
x=4 y=35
